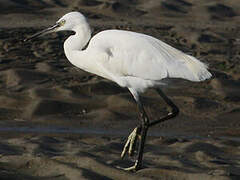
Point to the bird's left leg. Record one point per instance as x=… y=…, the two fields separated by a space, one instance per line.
x=139 y=132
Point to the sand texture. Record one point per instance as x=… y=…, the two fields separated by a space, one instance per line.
x=58 y=122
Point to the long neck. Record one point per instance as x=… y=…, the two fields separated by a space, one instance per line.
x=82 y=58
x=77 y=41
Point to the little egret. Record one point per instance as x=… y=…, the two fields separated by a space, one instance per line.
x=132 y=60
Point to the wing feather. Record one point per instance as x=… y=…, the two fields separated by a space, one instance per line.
x=143 y=56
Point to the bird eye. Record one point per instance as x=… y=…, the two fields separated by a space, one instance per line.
x=62 y=22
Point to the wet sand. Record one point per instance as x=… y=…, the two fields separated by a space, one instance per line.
x=58 y=122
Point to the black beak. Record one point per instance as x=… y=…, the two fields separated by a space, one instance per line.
x=45 y=31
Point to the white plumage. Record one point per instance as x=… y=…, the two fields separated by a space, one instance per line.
x=133 y=60
x=130 y=59
x=138 y=57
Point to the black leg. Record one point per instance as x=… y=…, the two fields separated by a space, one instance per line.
x=170 y=115
x=140 y=132
x=145 y=124
x=144 y=128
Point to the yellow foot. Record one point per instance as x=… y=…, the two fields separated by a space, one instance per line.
x=133 y=168
x=130 y=144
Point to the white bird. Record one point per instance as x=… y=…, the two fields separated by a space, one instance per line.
x=132 y=60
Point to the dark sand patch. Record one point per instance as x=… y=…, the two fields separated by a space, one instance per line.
x=79 y=156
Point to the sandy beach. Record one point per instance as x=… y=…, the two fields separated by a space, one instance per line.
x=58 y=122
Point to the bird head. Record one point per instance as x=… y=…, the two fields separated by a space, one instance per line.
x=66 y=23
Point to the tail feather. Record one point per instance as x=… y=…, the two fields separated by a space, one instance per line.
x=198 y=69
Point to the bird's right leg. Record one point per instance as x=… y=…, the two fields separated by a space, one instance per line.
x=135 y=135
x=139 y=133
x=130 y=145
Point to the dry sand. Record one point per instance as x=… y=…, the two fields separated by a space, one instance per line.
x=58 y=122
